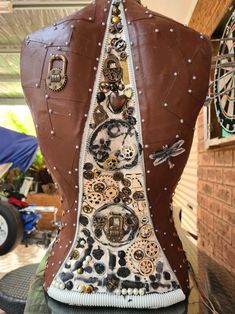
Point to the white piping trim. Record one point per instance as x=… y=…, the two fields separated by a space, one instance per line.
x=151 y=301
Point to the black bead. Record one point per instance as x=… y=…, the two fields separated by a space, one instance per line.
x=99 y=268
x=88 y=166
x=123 y=272
x=83 y=220
x=166 y=275
x=121 y=254
x=66 y=276
x=69 y=285
x=152 y=278
x=113 y=87
x=100 y=97
x=98 y=253
x=122 y=262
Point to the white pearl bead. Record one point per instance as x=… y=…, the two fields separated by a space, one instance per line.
x=130 y=291
x=141 y=291
x=81 y=288
x=88 y=258
x=135 y=291
x=124 y=291
x=61 y=286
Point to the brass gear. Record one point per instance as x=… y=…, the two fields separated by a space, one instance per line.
x=146 y=267
x=152 y=249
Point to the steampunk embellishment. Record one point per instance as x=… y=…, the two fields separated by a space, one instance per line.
x=166 y=153
x=116 y=250
x=115 y=225
x=57 y=77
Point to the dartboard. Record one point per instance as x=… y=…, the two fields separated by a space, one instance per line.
x=224 y=81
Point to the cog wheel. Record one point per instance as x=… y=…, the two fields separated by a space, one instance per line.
x=152 y=249
x=111 y=192
x=146 y=267
x=94 y=199
x=134 y=253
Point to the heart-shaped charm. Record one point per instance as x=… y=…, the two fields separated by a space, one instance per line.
x=116 y=102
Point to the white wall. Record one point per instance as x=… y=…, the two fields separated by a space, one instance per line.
x=179 y=10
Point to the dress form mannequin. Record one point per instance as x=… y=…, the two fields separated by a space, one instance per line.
x=168 y=66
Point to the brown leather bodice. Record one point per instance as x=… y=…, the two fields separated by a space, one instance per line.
x=172 y=64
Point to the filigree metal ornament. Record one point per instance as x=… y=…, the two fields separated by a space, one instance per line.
x=112 y=70
x=57 y=78
x=166 y=153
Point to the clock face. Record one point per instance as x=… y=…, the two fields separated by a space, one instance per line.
x=224 y=83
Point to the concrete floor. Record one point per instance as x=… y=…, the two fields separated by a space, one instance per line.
x=19 y=257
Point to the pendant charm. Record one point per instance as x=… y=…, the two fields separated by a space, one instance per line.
x=116 y=102
x=56 y=77
x=112 y=70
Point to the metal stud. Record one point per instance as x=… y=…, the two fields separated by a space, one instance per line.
x=164 y=233
x=156 y=30
x=171 y=30
x=150 y=16
x=194 y=77
x=142 y=120
x=172 y=244
x=140 y=92
x=52 y=132
x=190 y=91
x=37 y=85
x=103 y=23
x=58 y=48
x=175 y=73
x=69 y=172
x=77 y=146
x=90 y=90
x=137 y=68
x=72 y=26
x=66 y=43
x=50 y=111
x=46 y=96
x=148 y=171
x=189 y=60
x=95 y=68
x=76 y=187
x=131 y=43
x=99 y=44
x=165 y=188
x=90 y=18
x=148 y=189
x=177 y=136
x=85 y=115
x=146 y=145
x=181 y=120
x=54 y=168
x=165 y=105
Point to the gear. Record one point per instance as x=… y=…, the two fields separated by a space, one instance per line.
x=146 y=231
x=146 y=267
x=132 y=262
x=152 y=250
x=94 y=199
x=111 y=192
x=127 y=152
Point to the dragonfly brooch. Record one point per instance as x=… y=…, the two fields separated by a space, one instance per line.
x=167 y=153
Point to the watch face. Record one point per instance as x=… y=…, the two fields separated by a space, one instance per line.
x=224 y=83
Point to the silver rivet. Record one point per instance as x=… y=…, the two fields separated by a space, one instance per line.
x=125 y=9
x=75 y=209
x=37 y=85
x=146 y=12
x=66 y=43
x=105 y=9
x=99 y=44
x=194 y=77
x=36 y=126
x=165 y=189
x=90 y=18
x=142 y=120
x=164 y=233
x=58 y=48
x=156 y=30
x=129 y=23
x=150 y=16
x=148 y=171
x=189 y=60
x=45 y=46
x=90 y=90
x=70 y=114
x=181 y=120
x=103 y=23
x=72 y=26
x=164 y=249
x=172 y=244
x=174 y=270
x=146 y=146
x=177 y=136
x=171 y=30
x=74 y=225
x=76 y=169
x=131 y=43
x=85 y=115
x=150 y=207
x=77 y=146
x=190 y=91
x=95 y=68
x=52 y=132
x=148 y=189
x=54 y=168
x=50 y=111
x=75 y=201
x=76 y=187
x=140 y=92
x=69 y=172
x=165 y=105
x=181 y=266
x=137 y=68
x=175 y=73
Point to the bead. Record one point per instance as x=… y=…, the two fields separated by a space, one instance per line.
x=135 y=291
x=81 y=288
x=141 y=291
x=66 y=43
x=150 y=16
x=124 y=291
x=80 y=271
x=100 y=97
x=88 y=258
x=165 y=189
x=116 y=19
x=89 y=289
x=77 y=146
x=50 y=111
x=130 y=291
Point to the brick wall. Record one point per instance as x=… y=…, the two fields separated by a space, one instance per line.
x=216 y=201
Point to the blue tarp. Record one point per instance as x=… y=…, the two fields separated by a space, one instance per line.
x=18 y=148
